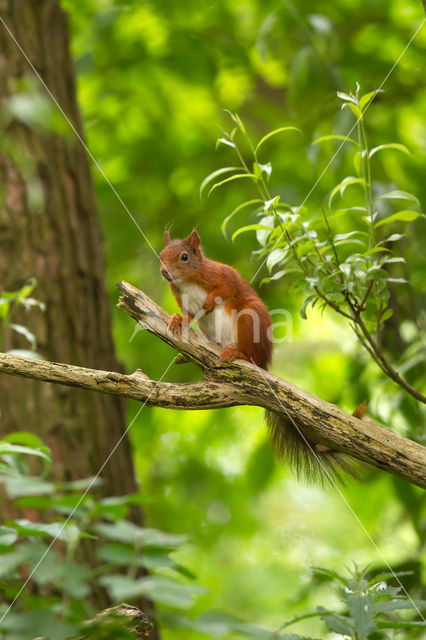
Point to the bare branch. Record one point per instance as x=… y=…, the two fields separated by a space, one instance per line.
x=227 y=385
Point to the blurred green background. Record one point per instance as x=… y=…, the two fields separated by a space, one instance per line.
x=154 y=80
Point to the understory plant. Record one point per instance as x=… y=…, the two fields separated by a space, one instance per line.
x=46 y=588
x=352 y=272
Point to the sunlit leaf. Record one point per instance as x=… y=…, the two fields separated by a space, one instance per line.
x=130 y=533
x=354 y=108
x=344 y=236
x=396 y=259
x=395 y=236
x=16 y=448
x=160 y=589
x=399 y=195
x=335 y=137
x=366 y=98
x=249 y=203
x=275 y=257
x=274 y=133
x=266 y=168
x=8 y=536
x=61 y=531
x=239 y=176
x=273 y=202
x=214 y=175
x=251 y=227
x=346 y=97
x=225 y=141
x=236 y=118
x=404 y=216
x=341 y=187
x=391 y=145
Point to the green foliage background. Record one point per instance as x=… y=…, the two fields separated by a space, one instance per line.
x=153 y=82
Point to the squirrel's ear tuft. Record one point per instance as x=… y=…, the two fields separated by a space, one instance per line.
x=166 y=238
x=194 y=239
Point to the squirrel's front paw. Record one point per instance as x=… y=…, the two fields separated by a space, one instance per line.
x=208 y=307
x=211 y=303
x=175 y=325
x=230 y=354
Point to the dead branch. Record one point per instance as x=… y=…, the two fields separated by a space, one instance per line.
x=227 y=385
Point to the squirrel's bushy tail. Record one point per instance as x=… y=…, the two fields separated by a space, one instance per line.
x=309 y=459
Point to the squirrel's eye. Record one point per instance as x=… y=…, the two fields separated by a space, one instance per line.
x=184 y=257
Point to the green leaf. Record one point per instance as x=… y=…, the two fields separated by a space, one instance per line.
x=68 y=532
x=395 y=236
x=4 y=307
x=251 y=227
x=404 y=216
x=391 y=145
x=374 y=250
x=225 y=141
x=344 y=236
x=338 y=624
x=396 y=259
x=386 y=315
x=236 y=118
x=161 y=590
x=399 y=195
x=130 y=533
x=249 y=203
x=16 y=487
x=273 y=202
x=346 y=97
x=341 y=187
x=8 y=536
x=274 y=133
x=399 y=605
x=367 y=97
x=16 y=448
x=24 y=554
x=214 y=175
x=258 y=169
x=305 y=305
x=275 y=256
x=354 y=108
x=362 y=611
x=23 y=292
x=25 y=438
x=357 y=160
x=335 y=137
x=239 y=176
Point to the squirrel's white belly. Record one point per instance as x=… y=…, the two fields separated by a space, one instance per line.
x=217 y=325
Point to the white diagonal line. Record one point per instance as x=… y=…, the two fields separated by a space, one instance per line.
x=347 y=136
x=92 y=482
x=376 y=547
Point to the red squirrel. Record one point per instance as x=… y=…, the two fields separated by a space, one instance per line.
x=230 y=313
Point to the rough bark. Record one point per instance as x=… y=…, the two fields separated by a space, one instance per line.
x=227 y=385
x=59 y=242
x=131 y=618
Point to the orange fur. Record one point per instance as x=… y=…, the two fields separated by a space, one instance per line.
x=253 y=341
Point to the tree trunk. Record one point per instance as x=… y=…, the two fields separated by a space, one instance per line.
x=59 y=242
